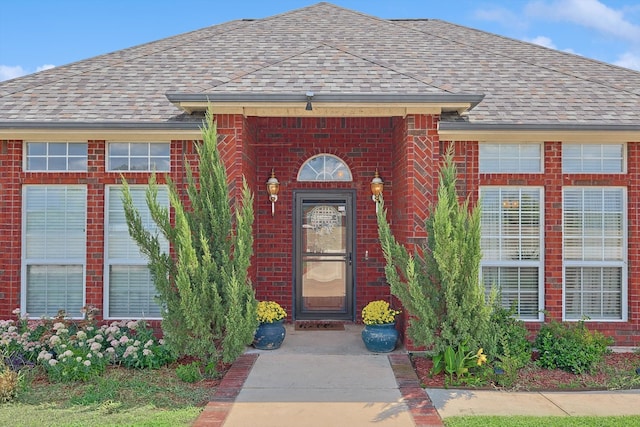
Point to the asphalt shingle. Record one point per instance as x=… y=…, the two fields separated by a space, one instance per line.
x=331 y=50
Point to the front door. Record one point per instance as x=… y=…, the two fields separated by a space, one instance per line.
x=323 y=255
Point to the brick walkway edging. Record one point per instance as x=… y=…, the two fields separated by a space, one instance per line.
x=216 y=411
x=423 y=412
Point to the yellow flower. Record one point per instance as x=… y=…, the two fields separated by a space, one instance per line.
x=378 y=312
x=269 y=312
x=482 y=358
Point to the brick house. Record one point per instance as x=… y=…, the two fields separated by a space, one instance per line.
x=324 y=97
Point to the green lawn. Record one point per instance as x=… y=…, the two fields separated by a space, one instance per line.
x=521 y=421
x=121 y=397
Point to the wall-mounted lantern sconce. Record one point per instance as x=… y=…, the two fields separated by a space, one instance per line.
x=273 y=185
x=309 y=107
x=377 y=185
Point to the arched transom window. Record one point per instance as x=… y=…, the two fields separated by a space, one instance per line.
x=324 y=167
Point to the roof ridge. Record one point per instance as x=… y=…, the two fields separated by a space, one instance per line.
x=388 y=67
x=520 y=59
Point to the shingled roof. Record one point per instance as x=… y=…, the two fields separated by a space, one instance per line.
x=331 y=51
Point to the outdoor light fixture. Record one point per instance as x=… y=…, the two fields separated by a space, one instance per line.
x=273 y=185
x=377 y=185
x=309 y=107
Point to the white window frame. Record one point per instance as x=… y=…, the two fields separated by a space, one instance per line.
x=129 y=157
x=47 y=156
x=579 y=161
x=136 y=259
x=508 y=163
x=518 y=263
x=327 y=175
x=622 y=263
x=27 y=260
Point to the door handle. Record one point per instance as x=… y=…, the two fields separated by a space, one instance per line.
x=349 y=258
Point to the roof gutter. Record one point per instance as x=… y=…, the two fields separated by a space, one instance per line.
x=10 y=125
x=537 y=132
x=110 y=131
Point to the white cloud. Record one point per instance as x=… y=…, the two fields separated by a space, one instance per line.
x=502 y=16
x=588 y=13
x=45 y=67
x=629 y=60
x=547 y=42
x=543 y=41
x=8 y=72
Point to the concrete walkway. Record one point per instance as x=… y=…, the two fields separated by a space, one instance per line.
x=328 y=378
x=451 y=403
x=322 y=378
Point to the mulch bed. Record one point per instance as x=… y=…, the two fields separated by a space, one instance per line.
x=534 y=378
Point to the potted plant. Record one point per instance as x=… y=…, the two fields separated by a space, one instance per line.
x=379 y=333
x=271 y=331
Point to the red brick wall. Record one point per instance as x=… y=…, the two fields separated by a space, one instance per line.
x=284 y=144
x=10 y=225
x=553 y=180
x=404 y=151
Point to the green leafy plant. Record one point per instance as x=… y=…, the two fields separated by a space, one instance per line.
x=508 y=338
x=439 y=284
x=189 y=373
x=571 y=347
x=378 y=312
x=203 y=284
x=458 y=363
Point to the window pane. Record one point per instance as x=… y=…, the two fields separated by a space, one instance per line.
x=593 y=231
x=55 y=222
x=511 y=241
x=36 y=163
x=118 y=164
x=51 y=288
x=57 y=164
x=593 y=292
x=139 y=156
x=515 y=158
x=138 y=164
x=36 y=148
x=56 y=156
x=131 y=289
x=57 y=149
x=78 y=149
x=325 y=168
x=160 y=150
x=593 y=158
x=132 y=292
x=119 y=149
x=77 y=164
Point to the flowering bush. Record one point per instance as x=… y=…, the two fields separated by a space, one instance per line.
x=70 y=351
x=378 y=313
x=269 y=312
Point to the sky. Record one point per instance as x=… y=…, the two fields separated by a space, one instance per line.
x=40 y=34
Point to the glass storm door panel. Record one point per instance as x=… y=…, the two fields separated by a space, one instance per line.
x=324 y=256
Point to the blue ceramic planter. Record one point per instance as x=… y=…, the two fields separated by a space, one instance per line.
x=380 y=338
x=269 y=336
